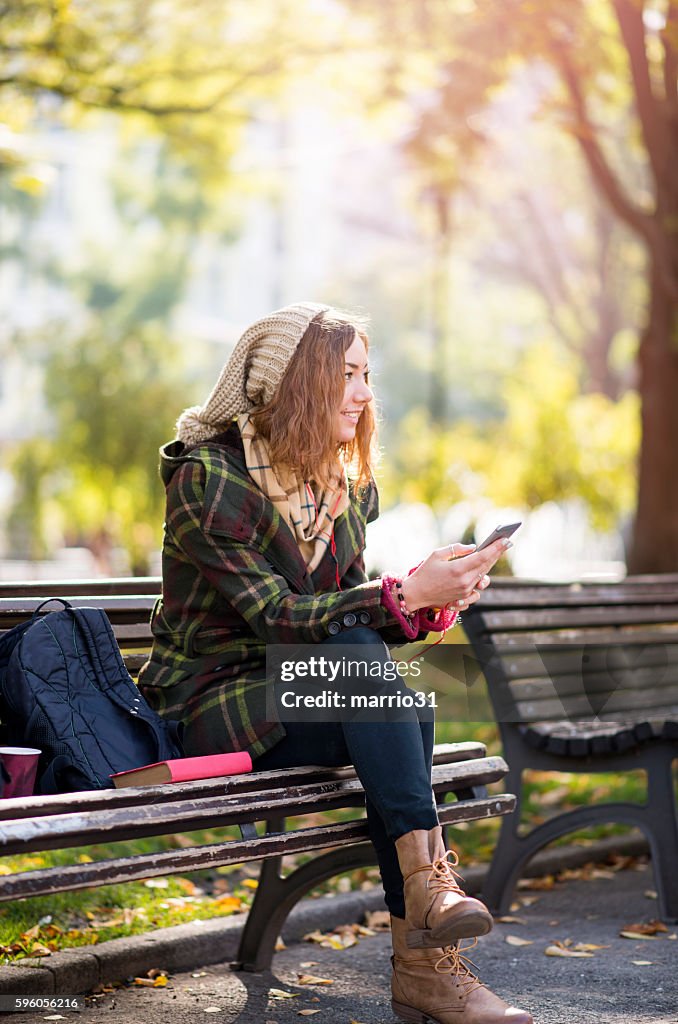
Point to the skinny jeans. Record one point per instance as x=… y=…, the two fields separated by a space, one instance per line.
x=392 y=760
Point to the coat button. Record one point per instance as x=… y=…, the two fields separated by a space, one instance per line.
x=334 y=628
x=350 y=619
x=365 y=618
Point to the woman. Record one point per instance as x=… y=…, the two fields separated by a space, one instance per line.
x=269 y=490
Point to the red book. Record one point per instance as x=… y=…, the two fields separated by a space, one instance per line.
x=185 y=769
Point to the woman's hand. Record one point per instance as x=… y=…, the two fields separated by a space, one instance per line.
x=455 y=574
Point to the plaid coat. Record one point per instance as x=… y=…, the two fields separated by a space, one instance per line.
x=233 y=581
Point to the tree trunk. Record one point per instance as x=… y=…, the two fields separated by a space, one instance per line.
x=654 y=546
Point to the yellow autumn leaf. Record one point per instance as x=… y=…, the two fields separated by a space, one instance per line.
x=509 y=919
x=37 y=949
x=586 y=947
x=160 y=981
x=560 y=950
x=278 y=993
x=230 y=904
x=144 y=982
x=515 y=940
x=638 y=935
x=279 y=944
x=313 y=979
x=643 y=963
x=250 y=883
x=84 y=858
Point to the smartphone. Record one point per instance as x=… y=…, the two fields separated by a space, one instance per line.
x=498 y=533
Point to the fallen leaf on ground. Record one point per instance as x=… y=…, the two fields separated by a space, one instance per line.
x=379 y=919
x=277 y=993
x=646 y=928
x=507 y=919
x=279 y=944
x=642 y=963
x=250 y=883
x=638 y=935
x=309 y=963
x=228 y=903
x=650 y=894
x=38 y=949
x=144 y=982
x=55 y=1016
x=560 y=949
x=307 y=1013
x=538 y=884
x=312 y=979
x=212 y=1009
x=515 y=940
x=586 y=947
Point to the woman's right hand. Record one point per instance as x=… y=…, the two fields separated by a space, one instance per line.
x=454 y=575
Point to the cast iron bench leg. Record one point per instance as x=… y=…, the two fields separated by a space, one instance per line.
x=275 y=897
x=662 y=829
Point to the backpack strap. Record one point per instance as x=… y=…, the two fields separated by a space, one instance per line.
x=66 y=604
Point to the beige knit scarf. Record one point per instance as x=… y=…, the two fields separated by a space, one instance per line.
x=310 y=513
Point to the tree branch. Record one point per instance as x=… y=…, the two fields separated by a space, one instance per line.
x=607 y=181
x=650 y=114
x=670 y=44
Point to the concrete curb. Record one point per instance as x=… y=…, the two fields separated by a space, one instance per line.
x=197 y=944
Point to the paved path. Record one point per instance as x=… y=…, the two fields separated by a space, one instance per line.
x=607 y=988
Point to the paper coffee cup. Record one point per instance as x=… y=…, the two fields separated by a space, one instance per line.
x=21 y=764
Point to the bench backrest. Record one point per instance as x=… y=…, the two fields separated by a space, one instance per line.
x=579 y=651
x=127 y=602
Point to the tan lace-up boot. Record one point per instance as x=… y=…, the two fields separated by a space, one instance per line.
x=438 y=912
x=437 y=986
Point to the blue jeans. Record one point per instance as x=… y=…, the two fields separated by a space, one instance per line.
x=392 y=760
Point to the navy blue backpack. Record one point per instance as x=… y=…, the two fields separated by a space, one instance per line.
x=64 y=689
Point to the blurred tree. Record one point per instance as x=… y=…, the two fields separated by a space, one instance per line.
x=552 y=444
x=606 y=55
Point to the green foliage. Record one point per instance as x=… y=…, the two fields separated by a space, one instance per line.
x=552 y=443
x=113 y=397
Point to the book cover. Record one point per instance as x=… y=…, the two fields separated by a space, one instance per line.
x=185 y=769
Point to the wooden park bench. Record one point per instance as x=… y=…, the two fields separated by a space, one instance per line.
x=259 y=803
x=584 y=678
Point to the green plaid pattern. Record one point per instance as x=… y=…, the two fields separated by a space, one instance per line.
x=234 y=580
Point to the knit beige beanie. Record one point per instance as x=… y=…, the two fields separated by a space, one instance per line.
x=253 y=373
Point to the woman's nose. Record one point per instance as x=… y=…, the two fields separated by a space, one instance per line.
x=364 y=393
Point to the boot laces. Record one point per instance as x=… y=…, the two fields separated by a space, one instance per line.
x=443 y=877
x=454 y=962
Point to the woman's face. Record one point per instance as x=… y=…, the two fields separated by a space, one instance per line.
x=356 y=391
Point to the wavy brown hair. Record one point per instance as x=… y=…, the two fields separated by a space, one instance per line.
x=299 y=423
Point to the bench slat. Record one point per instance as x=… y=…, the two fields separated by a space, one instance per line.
x=93 y=800
x=560 y=661
x=128 y=869
x=571 y=617
x=82 y=827
x=624 y=635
